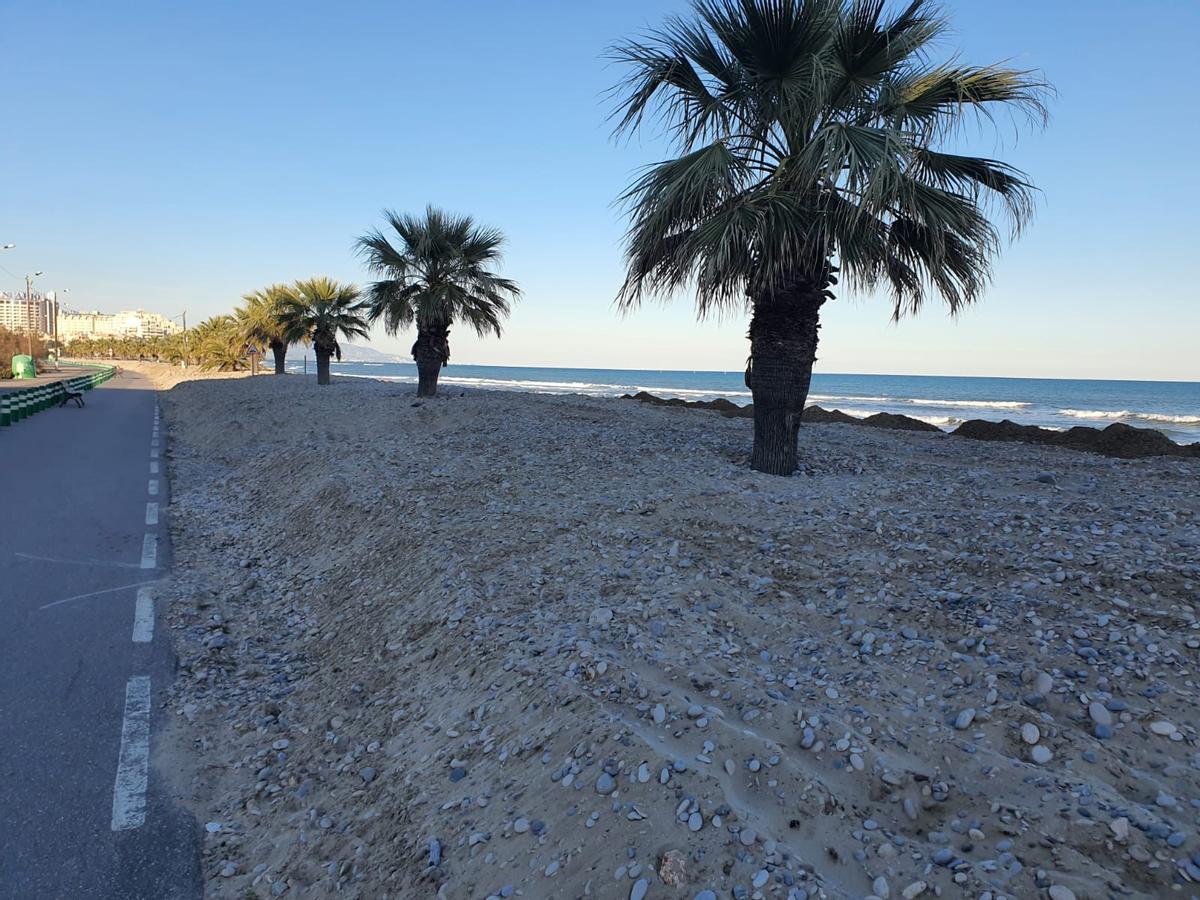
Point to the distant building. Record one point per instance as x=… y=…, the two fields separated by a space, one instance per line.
x=127 y=323
x=20 y=314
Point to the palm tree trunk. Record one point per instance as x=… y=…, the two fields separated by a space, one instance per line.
x=430 y=352
x=322 y=365
x=279 y=348
x=783 y=348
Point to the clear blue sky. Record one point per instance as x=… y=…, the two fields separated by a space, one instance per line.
x=174 y=156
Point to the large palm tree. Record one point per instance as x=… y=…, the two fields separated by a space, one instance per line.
x=259 y=321
x=440 y=271
x=319 y=311
x=811 y=137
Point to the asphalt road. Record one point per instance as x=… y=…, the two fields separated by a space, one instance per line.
x=83 y=813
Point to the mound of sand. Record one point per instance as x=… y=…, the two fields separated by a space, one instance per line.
x=505 y=645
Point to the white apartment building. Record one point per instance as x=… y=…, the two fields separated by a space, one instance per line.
x=127 y=323
x=19 y=314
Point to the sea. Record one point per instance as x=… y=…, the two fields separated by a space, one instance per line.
x=1172 y=407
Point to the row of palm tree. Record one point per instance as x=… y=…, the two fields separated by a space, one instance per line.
x=434 y=270
x=809 y=142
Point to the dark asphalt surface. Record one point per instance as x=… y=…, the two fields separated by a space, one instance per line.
x=73 y=487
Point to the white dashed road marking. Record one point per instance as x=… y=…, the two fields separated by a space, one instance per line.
x=151 y=513
x=133 y=764
x=154 y=467
x=143 y=617
x=153 y=487
x=150 y=551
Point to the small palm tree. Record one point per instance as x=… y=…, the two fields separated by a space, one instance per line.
x=811 y=135
x=319 y=311
x=440 y=272
x=260 y=323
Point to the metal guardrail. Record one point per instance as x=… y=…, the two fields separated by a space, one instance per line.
x=23 y=403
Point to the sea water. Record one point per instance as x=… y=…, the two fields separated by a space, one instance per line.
x=1172 y=407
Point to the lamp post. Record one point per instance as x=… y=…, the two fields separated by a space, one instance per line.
x=54 y=327
x=29 y=308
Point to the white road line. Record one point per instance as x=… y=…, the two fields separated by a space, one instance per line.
x=154 y=467
x=123 y=587
x=77 y=562
x=153 y=452
x=153 y=487
x=133 y=764
x=143 y=617
x=151 y=513
x=150 y=551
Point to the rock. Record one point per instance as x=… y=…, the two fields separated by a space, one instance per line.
x=605 y=784
x=1046 y=478
x=1030 y=733
x=601 y=617
x=672 y=868
x=916 y=889
x=1120 y=828
x=1058 y=892
x=761 y=877
x=639 y=889
x=706 y=895
x=520 y=826
x=1041 y=754
x=229 y=870
x=1163 y=728
x=1099 y=713
x=659 y=714
x=881 y=888
x=964 y=719
x=695 y=822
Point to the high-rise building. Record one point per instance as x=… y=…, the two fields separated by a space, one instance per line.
x=19 y=313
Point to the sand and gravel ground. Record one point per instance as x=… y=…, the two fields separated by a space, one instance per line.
x=506 y=645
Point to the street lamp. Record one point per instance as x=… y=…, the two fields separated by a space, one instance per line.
x=29 y=307
x=54 y=326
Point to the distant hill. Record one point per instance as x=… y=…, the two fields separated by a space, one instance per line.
x=360 y=353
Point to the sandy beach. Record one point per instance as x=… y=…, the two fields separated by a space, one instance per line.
x=502 y=644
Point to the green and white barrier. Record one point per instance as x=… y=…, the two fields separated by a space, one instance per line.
x=23 y=403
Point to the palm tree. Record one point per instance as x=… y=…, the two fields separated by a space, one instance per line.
x=218 y=343
x=440 y=272
x=318 y=311
x=810 y=136
x=259 y=321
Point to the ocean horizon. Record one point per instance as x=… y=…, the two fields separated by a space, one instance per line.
x=1172 y=407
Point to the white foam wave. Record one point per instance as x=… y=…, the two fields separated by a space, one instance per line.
x=971 y=404
x=1129 y=414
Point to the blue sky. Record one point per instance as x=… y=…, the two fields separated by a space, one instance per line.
x=175 y=156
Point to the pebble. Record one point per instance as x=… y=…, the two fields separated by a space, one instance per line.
x=520 y=826
x=1041 y=754
x=1162 y=728
x=1099 y=713
x=1058 y=892
x=964 y=719
x=1030 y=733
x=605 y=784
x=761 y=877
x=639 y=889
x=659 y=714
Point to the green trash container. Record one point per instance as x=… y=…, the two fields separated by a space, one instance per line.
x=23 y=367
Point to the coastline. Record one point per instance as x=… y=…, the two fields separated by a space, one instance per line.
x=451 y=647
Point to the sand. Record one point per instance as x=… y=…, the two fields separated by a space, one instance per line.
x=517 y=645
